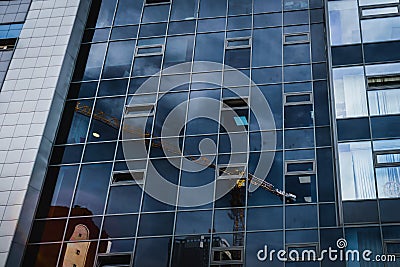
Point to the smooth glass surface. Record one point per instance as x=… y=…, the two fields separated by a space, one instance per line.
x=356 y=171
x=343 y=22
x=380 y=29
x=349 y=90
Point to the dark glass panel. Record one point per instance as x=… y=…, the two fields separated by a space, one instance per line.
x=296 y=17
x=275 y=176
x=387 y=206
x=151 y=204
x=318 y=46
x=211 y=25
x=156 y=224
x=119 y=226
x=326 y=191
x=75 y=120
x=382 y=126
x=82 y=90
x=301 y=216
x=321 y=103
x=296 y=54
x=153 y=252
x=323 y=136
x=66 y=154
x=188 y=223
x=360 y=212
x=256 y=242
x=106 y=119
x=206 y=41
x=267 y=47
x=301 y=236
x=128 y=12
x=148 y=30
x=242 y=22
x=292 y=139
x=346 y=55
x=298 y=116
x=238 y=7
x=126 y=32
x=267 y=75
x=238 y=58
x=182 y=27
x=381 y=52
x=303 y=187
x=96 y=35
x=47 y=231
x=91 y=191
x=179 y=49
x=119 y=59
x=353 y=129
x=113 y=87
x=212 y=8
x=90 y=61
x=99 y=152
x=146 y=66
x=155 y=13
x=124 y=199
x=57 y=192
x=327 y=215
x=264 y=218
x=267 y=20
x=41 y=255
x=267 y=6
x=229 y=220
x=297 y=73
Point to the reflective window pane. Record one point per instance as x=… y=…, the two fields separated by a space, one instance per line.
x=119 y=226
x=178 y=50
x=356 y=171
x=124 y=199
x=381 y=29
x=92 y=189
x=89 y=67
x=350 y=95
x=119 y=59
x=384 y=102
x=184 y=9
x=128 y=12
x=212 y=8
x=343 y=22
x=155 y=13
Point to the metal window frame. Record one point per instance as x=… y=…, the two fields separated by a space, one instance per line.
x=227 y=46
x=288 y=162
x=164 y=2
x=137 y=48
x=129 y=182
x=224 y=262
x=381 y=85
x=296 y=34
x=286 y=103
x=383 y=15
x=385 y=152
x=302 y=245
x=223 y=103
x=146 y=112
x=390 y=241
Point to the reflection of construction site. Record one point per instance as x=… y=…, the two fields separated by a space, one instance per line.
x=238 y=173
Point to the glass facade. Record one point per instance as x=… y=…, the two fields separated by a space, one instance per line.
x=93 y=211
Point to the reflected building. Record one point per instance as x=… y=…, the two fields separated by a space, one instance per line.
x=72 y=74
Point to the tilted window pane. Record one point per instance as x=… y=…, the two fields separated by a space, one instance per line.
x=381 y=29
x=384 y=102
x=343 y=22
x=376 y=2
x=388 y=181
x=356 y=171
x=350 y=95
